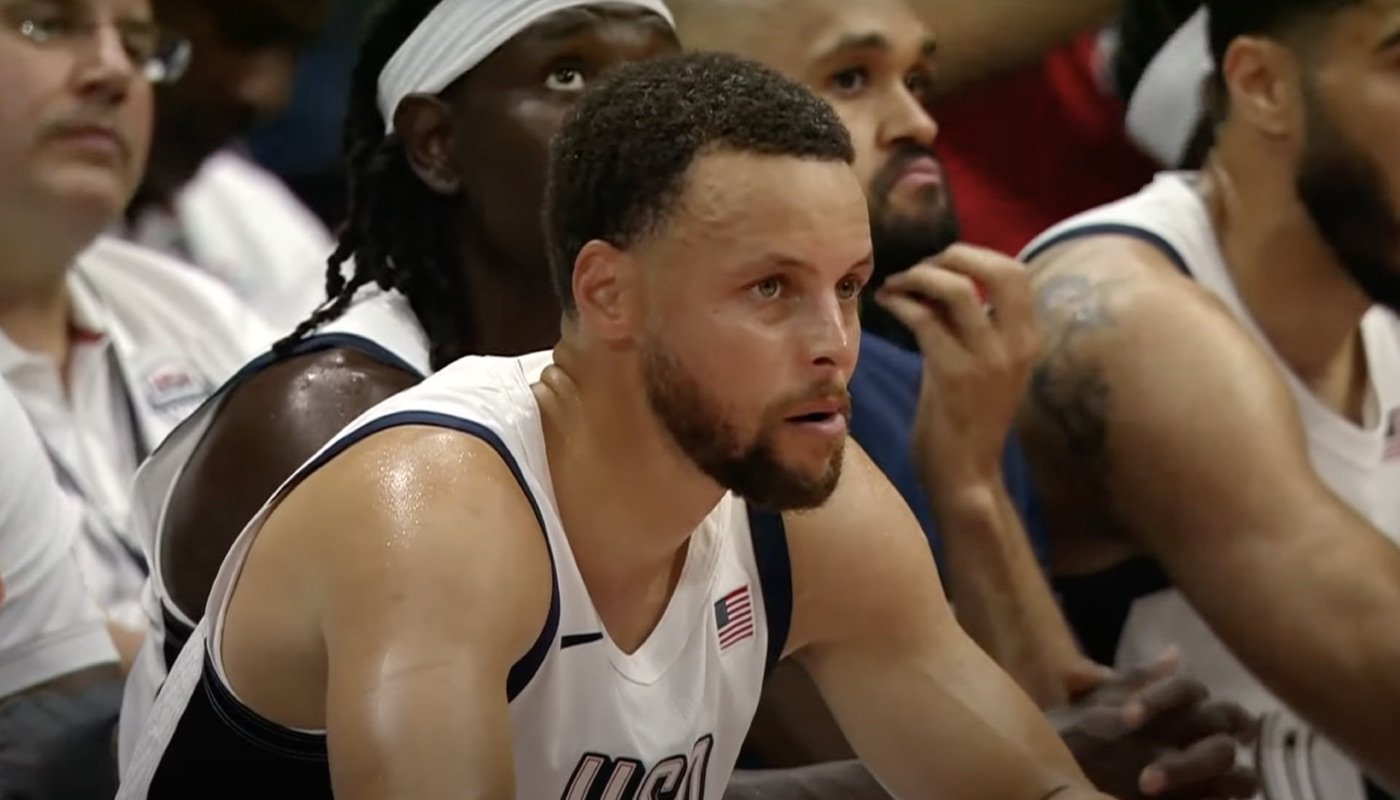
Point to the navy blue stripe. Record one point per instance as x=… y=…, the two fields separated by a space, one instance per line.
x=1110 y=229
x=524 y=669
x=770 y=552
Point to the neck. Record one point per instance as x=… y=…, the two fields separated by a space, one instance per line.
x=34 y=303
x=512 y=309
x=1296 y=290
x=628 y=497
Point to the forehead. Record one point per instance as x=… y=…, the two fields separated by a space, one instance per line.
x=608 y=26
x=800 y=33
x=734 y=200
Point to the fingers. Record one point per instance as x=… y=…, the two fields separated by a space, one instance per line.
x=1007 y=284
x=919 y=318
x=1206 y=769
x=950 y=299
x=1173 y=695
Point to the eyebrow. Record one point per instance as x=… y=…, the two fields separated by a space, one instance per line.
x=859 y=42
x=791 y=262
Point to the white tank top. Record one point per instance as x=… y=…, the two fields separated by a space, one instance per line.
x=379 y=324
x=1360 y=464
x=667 y=720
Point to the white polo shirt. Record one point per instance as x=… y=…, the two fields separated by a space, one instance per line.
x=151 y=339
x=49 y=626
x=240 y=224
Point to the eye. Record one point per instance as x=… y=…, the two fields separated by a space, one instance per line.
x=849 y=288
x=41 y=22
x=768 y=288
x=850 y=81
x=919 y=83
x=565 y=79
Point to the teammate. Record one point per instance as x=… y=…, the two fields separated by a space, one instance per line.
x=204 y=202
x=106 y=345
x=1214 y=418
x=59 y=682
x=589 y=510
x=874 y=62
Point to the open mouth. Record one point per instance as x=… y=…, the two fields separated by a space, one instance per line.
x=814 y=417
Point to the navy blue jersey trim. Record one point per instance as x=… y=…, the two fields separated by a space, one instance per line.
x=1110 y=229
x=770 y=551
x=256 y=729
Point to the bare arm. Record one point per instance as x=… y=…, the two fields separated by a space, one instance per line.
x=978 y=40
x=976 y=369
x=423 y=600
x=266 y=429
x=927 y=711
x=1189 y=431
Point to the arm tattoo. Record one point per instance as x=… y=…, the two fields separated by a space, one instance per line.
x=1068 y=391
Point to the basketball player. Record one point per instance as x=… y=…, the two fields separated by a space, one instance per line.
x=59 y=682
x=447 y=149
x=873 y=62
x=1214 y=418
x=591 y=515
x=106 y=345
x=205 y=203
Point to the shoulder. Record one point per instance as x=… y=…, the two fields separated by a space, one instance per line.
x=158 y=296
x=227 y=178
x=417 y=508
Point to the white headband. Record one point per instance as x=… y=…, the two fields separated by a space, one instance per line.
x=459 y=34
x=1168 y=104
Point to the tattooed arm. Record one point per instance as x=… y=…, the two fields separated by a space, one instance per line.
x=1192 y=441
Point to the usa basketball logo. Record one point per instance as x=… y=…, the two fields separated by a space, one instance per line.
x=734 y=618
x=1392 y=436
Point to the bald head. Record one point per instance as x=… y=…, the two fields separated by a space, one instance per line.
x=872 y=61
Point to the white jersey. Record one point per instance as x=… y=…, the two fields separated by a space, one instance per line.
x=1360 y=464
x=379 y=324
x=588 y=719
x=151 y=340
x=240 y=224
x=49 y=626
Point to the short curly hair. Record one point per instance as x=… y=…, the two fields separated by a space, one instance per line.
x=618 y=166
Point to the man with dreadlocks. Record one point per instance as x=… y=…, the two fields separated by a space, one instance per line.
x=447 y=260
x=566 y=574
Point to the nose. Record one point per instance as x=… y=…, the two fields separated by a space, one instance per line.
x=106 y=71
x=265 y=84
x=905 y=119
x=833 y=340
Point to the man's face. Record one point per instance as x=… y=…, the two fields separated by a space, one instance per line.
x=75 y=112
x=872 y=60
x=750 y=294
x=507 y=109
x=1348 y=174
x=244 y=58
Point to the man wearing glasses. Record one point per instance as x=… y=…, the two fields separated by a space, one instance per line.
x=106 y=345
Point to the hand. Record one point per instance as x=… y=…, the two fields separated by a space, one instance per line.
x=977 y=353
x=1150 y=733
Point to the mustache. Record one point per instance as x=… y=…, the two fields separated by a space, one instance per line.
x=904 y=155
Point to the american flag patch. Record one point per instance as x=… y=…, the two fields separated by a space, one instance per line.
x=734 y=618
x=1392 y=436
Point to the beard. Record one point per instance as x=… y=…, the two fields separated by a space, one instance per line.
x=696 y=423
x=1344 y=192
x=901 y=239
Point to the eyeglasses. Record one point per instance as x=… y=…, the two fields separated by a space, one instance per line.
x=160 y=55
